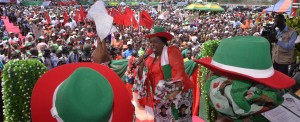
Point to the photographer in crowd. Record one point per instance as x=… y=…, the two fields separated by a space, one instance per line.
x=283 y=49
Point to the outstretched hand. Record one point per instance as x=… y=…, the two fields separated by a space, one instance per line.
x=101 y=54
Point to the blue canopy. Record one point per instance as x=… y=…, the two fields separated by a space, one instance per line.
x=281 y=6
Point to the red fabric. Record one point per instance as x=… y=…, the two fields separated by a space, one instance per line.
x=42 y=94
x=294 y=10
x=126 y=19
x=129 y=90
x=146 y=20
x=135 y=24
x=47 y=17
x=163 y=34
x=127 y=16
x=131 y=61
x=155 y=73
x=119 y=9
x=128 y=11
x=117 y=16
x=196 y=92
x=108 y=11
x=82 y=13
x=77 y=16
x=10 y=27
x=66 y=17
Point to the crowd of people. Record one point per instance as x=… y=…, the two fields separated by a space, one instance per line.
x=67 y=41
x=56 y=35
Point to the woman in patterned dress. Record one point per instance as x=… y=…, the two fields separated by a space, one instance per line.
x=162 y=84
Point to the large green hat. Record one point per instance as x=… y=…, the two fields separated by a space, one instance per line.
x=246 y=58
x=80 y=92
x=159 y=32
x=82 y=97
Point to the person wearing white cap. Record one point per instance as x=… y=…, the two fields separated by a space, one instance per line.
x=87 y=40
x=129 y=51
x=11 y=37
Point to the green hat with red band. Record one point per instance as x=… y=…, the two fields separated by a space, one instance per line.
x=80 y=92
x=246 y=58
x=159 y=32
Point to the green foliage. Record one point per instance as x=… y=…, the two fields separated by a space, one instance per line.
x=19 y=78
x=208 y=50
x=294 y=23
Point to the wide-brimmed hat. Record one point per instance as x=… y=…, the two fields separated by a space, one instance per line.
x=159 y=32
x=246 y=58
x=81 y=92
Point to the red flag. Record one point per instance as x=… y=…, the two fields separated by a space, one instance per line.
x=66 y=18
x=128 y=11
x=47 y=17
x=127 y=16
x=135 y=24
x=146 y=20
x=77 y=16
x=119 y=9
x=126 y=19
x=108 y=11
x=82 y=13
x=117 y=17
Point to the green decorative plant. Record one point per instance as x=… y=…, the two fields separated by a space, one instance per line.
x=208 y=50
x=294 y=22
x=18 y=80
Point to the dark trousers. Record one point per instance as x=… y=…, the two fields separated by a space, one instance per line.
x=283 y=68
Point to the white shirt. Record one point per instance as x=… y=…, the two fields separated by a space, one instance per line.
x=54 y=22
x=194 y=38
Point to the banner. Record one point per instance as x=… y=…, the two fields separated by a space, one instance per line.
x=32 y=3
x=113 y=3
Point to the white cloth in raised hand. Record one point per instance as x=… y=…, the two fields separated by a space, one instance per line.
x=103 y=21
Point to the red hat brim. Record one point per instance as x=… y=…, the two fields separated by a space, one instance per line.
x=42 y=94
x=277 y=81
x=160 y=34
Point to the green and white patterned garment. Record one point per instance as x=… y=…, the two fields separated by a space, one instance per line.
x=238 y=99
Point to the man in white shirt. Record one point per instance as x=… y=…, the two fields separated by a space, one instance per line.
x=71 y=23
x=54 y=21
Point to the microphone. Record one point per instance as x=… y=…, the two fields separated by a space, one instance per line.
x=145 y=56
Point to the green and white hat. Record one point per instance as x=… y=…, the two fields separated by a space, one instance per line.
x=82 y=97
x=159 y=32
x=81 y=92
x=246 y=58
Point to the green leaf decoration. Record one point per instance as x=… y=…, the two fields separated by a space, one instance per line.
x=18 y=80
x=294 y=23
x=207 y=112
